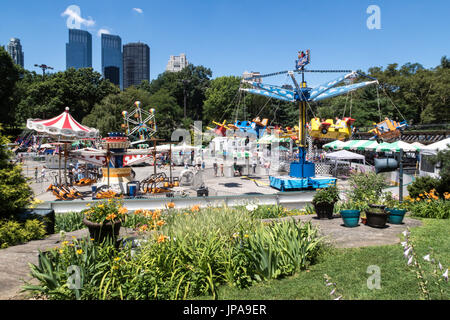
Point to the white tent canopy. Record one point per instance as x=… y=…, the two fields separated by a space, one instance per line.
x=436 y=147
x=344 y=155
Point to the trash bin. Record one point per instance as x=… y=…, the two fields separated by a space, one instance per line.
x=132 y=189
x=46 y=216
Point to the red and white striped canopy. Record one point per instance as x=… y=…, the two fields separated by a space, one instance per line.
x=62 y=125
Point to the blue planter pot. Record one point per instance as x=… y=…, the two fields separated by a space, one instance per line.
x=396 y=215
x=350 y=217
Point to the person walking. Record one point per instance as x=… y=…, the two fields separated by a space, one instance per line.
x=43 y=171
x=215 y=167
x=221 y=170
x=36 y=174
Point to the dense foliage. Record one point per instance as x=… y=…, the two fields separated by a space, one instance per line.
x=13 y=232
x=15 y=193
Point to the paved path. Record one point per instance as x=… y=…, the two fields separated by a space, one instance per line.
x=341 y=236
x=14 y=260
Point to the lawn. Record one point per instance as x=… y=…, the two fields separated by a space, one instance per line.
x=348 y=268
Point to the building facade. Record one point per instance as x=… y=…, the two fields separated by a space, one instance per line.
x=177 y=63
x=15 y=51
x=136 y=64
x=112 y=60
x=79 y=49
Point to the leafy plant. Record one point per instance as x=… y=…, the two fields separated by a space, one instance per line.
x=107 y=210
x=68 y=222
x=327 y=195
x=365 y=187
x=281 y=249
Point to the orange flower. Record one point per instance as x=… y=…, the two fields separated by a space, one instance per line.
x=160 y=223
x=171 y=205
x=195 y=208
x=123 y=210
x=161 y=238
x=157 y=211
x=111 y=216
x=138 y=211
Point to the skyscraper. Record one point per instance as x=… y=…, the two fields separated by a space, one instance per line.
x=15 y=51
x=79 y=49
x=112 y=58
x=136 y=64
x=177 y=63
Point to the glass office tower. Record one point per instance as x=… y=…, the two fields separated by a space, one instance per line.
x=112 y=58
x=79 y=49
x=136 y=64
x=15 y=51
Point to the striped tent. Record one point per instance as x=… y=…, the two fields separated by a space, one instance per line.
x=335 y=145
x=396 y=147
x=63 y=125
x=268 y=139
x=360 y=145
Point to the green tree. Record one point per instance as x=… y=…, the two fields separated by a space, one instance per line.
x=9 y=75
x=78 y=89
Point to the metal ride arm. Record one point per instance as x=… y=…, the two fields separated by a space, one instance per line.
x=342 y=90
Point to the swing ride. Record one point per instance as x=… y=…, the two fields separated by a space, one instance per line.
x=302 y=172
x=387 y=130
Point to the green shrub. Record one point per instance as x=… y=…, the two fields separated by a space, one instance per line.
x=422 y=185
x=68 y=222
x=327 y=195
x=437 y=209
x=281 y=249
x=13 y=232
x=365 y=186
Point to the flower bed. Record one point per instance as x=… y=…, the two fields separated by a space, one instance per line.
x=187 y=254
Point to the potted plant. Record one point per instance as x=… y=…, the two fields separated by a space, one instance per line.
x=395 y=209
x=376 y=214
x=324 y=201
x=104 y=219
x=351 y=212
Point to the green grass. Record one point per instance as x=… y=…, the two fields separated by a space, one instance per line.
x=348 y=267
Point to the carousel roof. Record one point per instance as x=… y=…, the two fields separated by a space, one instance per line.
x=63 y=125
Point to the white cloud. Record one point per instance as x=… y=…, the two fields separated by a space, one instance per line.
x=74 y=18
x=105 y=31
x=138 y=10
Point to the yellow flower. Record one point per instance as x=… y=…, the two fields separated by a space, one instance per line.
x=418 y=199
x=65 y=243
x=92 y=239
x=421 y=195
x=61 y=251
x=428 y=200
x=101 y=205
x=88 y=205
x=245 y=235
x=116 y=259
x=115 y=267
x=79 y=251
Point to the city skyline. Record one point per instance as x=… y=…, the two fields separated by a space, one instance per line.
x=221 y=35
x=79 y=49
x=136 y=64
x=112 y=59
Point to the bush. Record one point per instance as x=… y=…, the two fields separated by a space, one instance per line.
x=13 y=232
x=327 y=195
x=422 y=185
x=437 y=209
x=365 y=187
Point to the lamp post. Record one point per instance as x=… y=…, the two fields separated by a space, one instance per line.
x=43 y=67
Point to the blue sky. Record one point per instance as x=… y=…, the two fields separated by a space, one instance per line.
x=232 y=36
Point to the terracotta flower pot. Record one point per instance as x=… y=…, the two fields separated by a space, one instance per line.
x=99 y=232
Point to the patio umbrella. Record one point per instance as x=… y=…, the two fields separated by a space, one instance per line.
x=360 y=145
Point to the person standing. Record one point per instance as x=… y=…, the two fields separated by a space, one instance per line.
x=43 y=174
x=254 y=165
x=36 y=174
